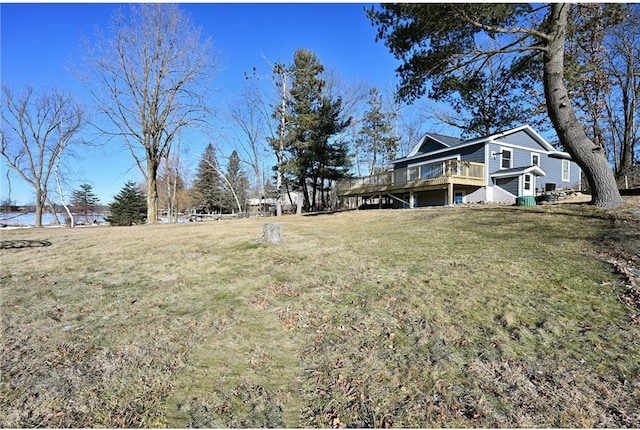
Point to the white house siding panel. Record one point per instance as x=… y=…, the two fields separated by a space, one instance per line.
x=477 y=196
x=498 y=195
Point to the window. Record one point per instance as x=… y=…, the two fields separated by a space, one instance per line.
x=505 y=161
x=527 y=182
x=535 y=159
x=566 y=174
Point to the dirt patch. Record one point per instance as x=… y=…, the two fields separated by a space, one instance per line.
x=13 y=244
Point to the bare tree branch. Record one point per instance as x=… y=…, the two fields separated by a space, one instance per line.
x=149 y=79
x=36 y=129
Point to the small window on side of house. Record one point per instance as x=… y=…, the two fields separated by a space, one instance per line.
x=527 y=182
x=507 y=157
x=535 y=160
x=566 y=173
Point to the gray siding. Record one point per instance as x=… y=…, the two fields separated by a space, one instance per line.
x=521 y=138
x=473 y=153
x=508 y=184
x=553 y=168
x=430 y=145
x=519 y=157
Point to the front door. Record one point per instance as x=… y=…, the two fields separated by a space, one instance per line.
x=528 y=185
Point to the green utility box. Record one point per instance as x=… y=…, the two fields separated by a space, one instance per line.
x=525 y=201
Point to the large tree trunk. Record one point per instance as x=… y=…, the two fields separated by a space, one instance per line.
x=152 y=191
x=40 y=199
x=585 y=153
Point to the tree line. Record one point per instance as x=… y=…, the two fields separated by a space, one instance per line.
x=570 y=67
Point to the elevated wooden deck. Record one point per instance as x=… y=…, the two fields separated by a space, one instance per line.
x=443 y=174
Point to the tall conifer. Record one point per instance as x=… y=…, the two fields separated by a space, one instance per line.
x=207 y=186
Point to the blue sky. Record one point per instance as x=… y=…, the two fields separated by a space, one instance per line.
x=40 y=41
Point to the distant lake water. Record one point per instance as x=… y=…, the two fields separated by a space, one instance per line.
x=29 y=219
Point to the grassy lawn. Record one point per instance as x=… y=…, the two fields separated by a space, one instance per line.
x=456 y=317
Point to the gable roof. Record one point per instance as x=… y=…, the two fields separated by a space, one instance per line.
x=448 y=142
x=441 y=139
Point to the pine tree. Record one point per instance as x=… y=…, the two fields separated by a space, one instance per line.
x=128 y=207
x=375 y=140
x=238 y=180
x=84 y=201
x=207 y=186
x=313 y=154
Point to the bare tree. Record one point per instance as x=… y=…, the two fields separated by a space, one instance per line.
x=148 y=78
x=172 y=185
x=622 y=104
x=63 y=198
x=281 y=76
x=251 y=116
x=36 y=129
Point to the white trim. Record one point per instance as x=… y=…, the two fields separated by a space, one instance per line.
x=502 y=149
x=536 y=154
x=522 y=183
x=531 y=169
x=417 y=147
x=524 y=148
x=487 y=160
x=568 y=178
x=560 y=155
x=530 y=131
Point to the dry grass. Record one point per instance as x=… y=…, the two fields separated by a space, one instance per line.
x=456 y=317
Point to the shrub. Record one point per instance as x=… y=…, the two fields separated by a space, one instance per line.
x=129 y=206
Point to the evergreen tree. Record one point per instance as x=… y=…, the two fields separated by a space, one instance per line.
x=128 y=207
x=375 y=140
x=331 y=154
x=313 y=120
x=84 y=201
x=238 y=181
x=207 y=187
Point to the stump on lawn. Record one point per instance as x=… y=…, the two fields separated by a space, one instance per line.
x=272 y=232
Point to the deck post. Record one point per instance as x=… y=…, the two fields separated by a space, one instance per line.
x=411 y=198
x=450 y=193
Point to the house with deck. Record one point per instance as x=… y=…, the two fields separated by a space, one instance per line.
x=444 y=170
